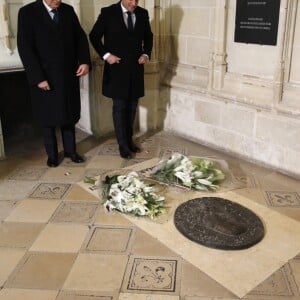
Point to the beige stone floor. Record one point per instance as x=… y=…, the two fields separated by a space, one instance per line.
x=56 y=242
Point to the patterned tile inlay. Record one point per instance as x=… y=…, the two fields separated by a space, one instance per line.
x=166 y=152
x=247 y=181
x=50 y=191
x=75 y=212
x=283 y=199
x=153 y=275
x=110 y=239
x=30 y=173
x=281 y=283
x=109 y=149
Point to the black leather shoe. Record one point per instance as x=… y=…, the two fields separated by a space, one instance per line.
x=52 y=163
x=125 y=152
x=75 y=157
x=134 y=148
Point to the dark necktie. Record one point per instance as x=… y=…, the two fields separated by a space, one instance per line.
x=55 y=15
x=129 y=21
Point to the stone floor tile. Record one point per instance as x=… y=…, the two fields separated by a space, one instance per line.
x=63 y=174
x=106 y=162
x=69 y=295
x=33 y=211
x=196 y=283
x=60 y=238
x=30 y=294
x=78 y=212
x=96 y=272
x=111 y=218
x=280 y=284
x=6 y=207
x=9 y=258
x=147 y=153
x=145 y=244
x=110 y=239
x=42 y=271
x=158 y=275
x=50 y=191
x=30 y=173
x=18 y=235
x=129 y=296
x=76 y=193
x=15 y=189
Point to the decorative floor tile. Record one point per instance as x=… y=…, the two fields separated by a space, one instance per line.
x=33 y=211
x=75 y=212
x=6 y=207
x=30 y=294
x=42 y=271
x=114 y=239
x=18 y=235
x=246 y=181
x=28 y=173
x=60 y=238
x=167 y=152
x=109 y=149
x=15 y=190
x=155 y=274
x=283 y=199
x=281 y=283
x=63 y=174
x=50 y=191
x=9 y=258
x=96 y=272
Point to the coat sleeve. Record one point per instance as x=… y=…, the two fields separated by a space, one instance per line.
x=27 y=49
x=97 y=34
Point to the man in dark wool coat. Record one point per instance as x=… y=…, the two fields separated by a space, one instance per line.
x=54 y=51
x=127 y=46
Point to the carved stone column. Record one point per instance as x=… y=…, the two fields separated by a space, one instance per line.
x=218 y=63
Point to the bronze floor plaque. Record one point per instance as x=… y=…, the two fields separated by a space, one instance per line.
x=218 y=223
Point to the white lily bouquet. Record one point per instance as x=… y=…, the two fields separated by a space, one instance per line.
x=130 y=194
x=195 y=173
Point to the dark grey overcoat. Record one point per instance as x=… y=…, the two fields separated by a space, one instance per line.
x=52 y=52
x=110 y=34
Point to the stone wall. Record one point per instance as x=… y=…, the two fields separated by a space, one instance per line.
x=241 y=98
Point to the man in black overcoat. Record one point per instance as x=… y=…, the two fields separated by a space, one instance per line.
x=54 y=51
x=126 y=47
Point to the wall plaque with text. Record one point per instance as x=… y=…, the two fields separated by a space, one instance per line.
x=256 y=21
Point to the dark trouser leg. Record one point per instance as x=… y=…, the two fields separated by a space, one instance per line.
x=131 y=113
x=50 y=142
x=68 y=138
x=120 y=120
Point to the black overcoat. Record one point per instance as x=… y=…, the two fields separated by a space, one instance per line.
x=110 y=34
x=52 y=52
